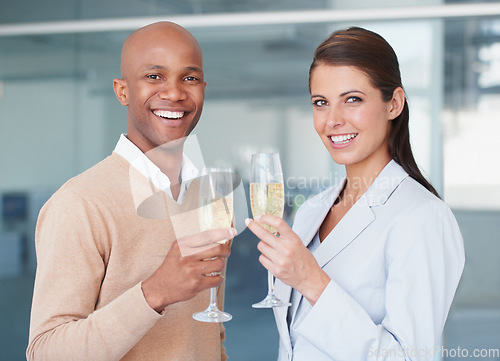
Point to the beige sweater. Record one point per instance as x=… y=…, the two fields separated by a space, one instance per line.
x=93 y=252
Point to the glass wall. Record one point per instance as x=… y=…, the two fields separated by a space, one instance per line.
x=470 y=124
x=59 y=116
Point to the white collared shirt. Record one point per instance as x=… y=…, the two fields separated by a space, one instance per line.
x=146 y=167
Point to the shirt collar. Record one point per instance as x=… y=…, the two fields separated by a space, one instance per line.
x=147 y=168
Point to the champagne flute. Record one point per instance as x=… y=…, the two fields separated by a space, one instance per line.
x=216 y=211
x=267 y=196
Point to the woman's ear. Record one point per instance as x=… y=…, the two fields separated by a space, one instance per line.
x=397 y=103
x=121 y=91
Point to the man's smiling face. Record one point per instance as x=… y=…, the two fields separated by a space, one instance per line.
x=163 y=85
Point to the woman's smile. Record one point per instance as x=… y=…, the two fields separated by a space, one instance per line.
x=342 y=140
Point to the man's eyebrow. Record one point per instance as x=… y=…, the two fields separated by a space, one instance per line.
x=156 y=67
x=161 y=67
x=194 y=68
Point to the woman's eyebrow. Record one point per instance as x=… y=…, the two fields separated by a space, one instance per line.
x=351 y=91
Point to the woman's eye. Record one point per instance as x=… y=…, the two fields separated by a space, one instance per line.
x=353 y=100
x=319 y=102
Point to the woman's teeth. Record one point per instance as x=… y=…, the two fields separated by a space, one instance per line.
x=168 y=114
x=341 y=139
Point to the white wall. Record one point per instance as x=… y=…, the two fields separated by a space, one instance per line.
x=37 y=138
x=230 y=131
x=52 y=130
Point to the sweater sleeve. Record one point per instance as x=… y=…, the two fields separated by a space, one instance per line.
x=220 y=302
x=424 y=262
x=71 y=266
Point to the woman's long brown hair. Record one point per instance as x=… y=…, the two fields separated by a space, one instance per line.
x=372 y=54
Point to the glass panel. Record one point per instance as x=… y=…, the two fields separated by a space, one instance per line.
x=472 y=181
x=470 y=121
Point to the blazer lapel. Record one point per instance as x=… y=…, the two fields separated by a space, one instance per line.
x=354 y=222
x=311 y=218
x=360 y=215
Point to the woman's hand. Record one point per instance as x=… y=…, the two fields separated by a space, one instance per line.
x=288 y=259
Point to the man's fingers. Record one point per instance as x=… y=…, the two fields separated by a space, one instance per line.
x=213 y=281
x=210 y=266
x=215 y=251
x=209 y=237
x=200 y=242
x=218 y=235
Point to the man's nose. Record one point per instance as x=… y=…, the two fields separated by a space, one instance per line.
x=173 y=91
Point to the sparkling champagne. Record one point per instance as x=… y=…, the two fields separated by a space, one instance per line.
x=216 y=213
x=267 y=198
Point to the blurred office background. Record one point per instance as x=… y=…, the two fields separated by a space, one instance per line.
x=59 y=116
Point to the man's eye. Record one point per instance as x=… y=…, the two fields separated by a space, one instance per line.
x=153 y=76
x=191 y=78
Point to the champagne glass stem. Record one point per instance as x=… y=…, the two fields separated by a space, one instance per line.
x=212 y=313
x=270 y=283
x=213 y=298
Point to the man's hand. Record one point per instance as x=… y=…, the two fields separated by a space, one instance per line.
x=180 y=278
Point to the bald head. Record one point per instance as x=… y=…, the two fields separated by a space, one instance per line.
x=150 y=37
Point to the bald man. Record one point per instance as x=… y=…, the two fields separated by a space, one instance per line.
x=113 y=284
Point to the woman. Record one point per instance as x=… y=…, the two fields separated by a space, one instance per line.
x=372 y=264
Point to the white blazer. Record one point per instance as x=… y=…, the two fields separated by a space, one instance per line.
x=394 y=260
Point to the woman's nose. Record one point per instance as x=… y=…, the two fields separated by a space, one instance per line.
x=335 y=118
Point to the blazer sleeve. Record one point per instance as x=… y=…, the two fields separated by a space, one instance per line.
x=64 y=323
x=424 y=262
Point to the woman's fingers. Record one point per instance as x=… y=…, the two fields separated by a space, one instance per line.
x=276 y=222
x=260 y=232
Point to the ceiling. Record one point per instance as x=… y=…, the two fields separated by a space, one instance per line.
x=243 y=61
x=239 y=61
x=15 y=11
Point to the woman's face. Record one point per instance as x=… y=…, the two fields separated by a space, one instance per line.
x=350 y=116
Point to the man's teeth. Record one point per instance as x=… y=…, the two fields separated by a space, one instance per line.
x=168 y=114
x=341 y=139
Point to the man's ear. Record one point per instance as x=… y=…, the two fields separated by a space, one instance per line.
x=397 y=103
x=121 y=90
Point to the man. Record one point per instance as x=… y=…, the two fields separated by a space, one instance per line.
x=104 y=289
